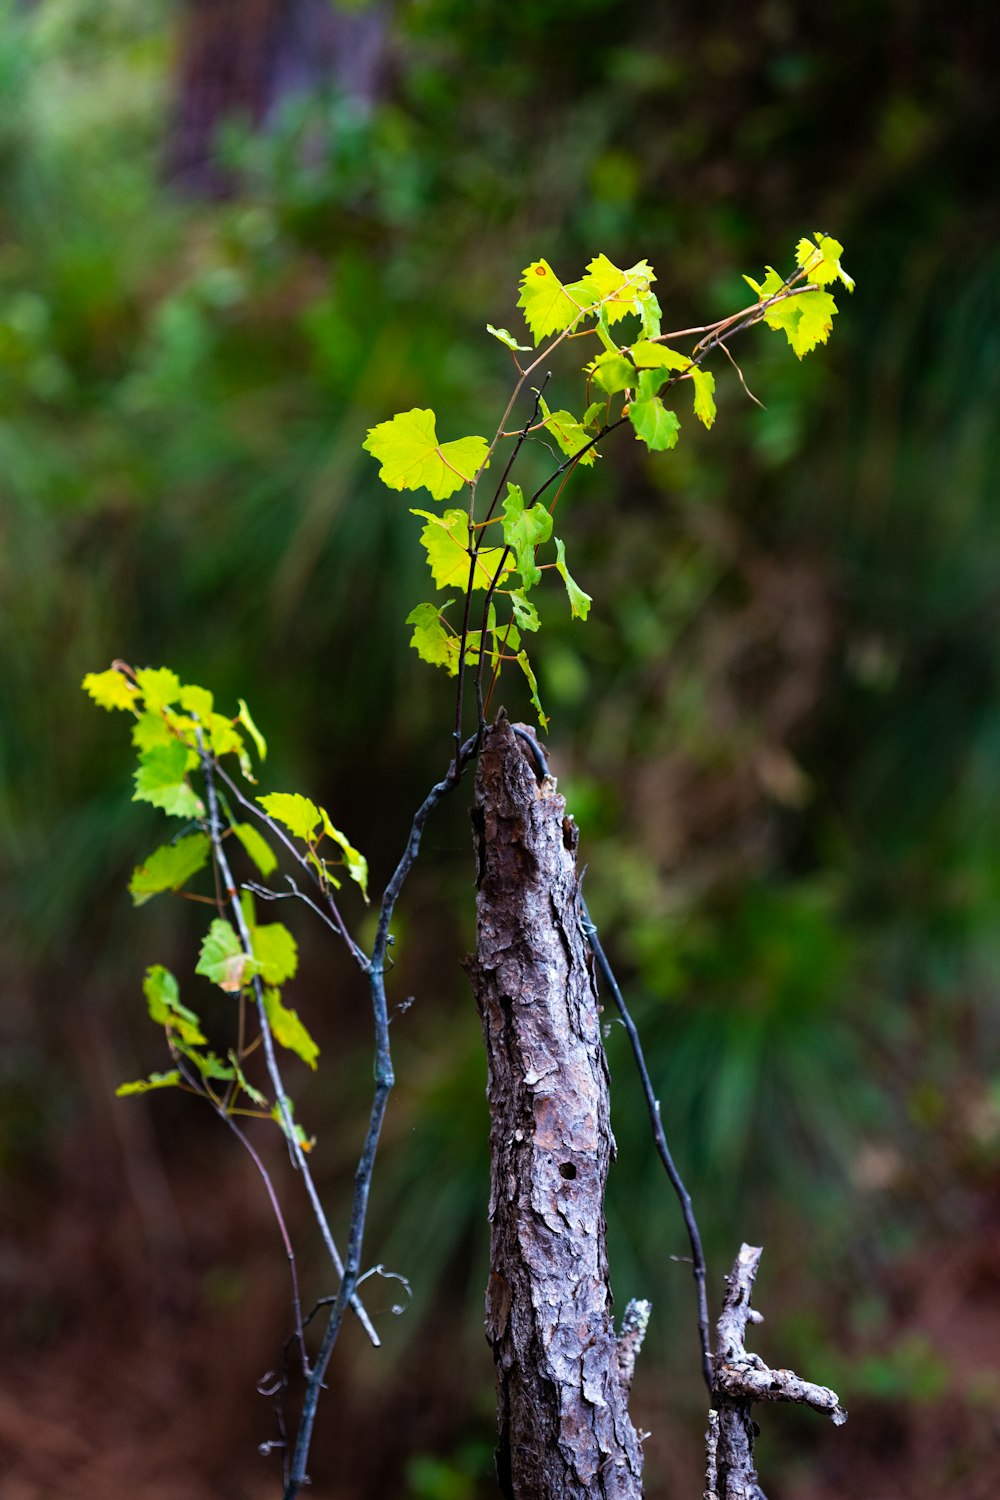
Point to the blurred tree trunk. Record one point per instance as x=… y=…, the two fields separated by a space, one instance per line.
x=242 y=58
x=562 y=1414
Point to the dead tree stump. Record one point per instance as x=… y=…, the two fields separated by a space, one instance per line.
x=562 y=1413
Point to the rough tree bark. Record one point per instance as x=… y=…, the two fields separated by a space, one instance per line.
x=562 y=1412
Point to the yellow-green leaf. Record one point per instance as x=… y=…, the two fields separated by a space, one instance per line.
x=222 y=959
x=165 y=1008
x=446 y=541
x=159 y=687
x=287 y=1029
x=154 y=1081
x=169 y=867
x=275 y=952
x=257 y=847
x=654 y=424
x=252 y=730
x=620 y=292
x=548 y=306
x=110 y=689
x=412 y=458
x=579 y=602
x=160 y=780
x=704 y=395
x=298 y=814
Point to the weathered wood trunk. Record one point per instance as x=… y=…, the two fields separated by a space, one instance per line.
x=564 y=1428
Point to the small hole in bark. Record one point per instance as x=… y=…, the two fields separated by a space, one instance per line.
x=567 y=1170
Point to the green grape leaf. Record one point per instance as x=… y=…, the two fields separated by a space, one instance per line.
x=820 y=259
x=222 y=959
x=524 y=529
x=150 y=730
x=298 y=814
x=525 y=612
x=169 y=867
x=209 y=1064
x=594 y=414
x=648 y=356
x=164 y=1004
x=704 y=395
x=257 y=847
x=506 y=338
x=568 y=433
x=446 y=541
x=110 y=689
x=253 y=1094
x=651 y=314
x=525 y=665
x=160 y=780
x=431 y=639
x=413 y=459
x=252 y=730
x=612 y=372
x=579 y=602
x=197 y=701
x=548 y=306
x=275 y=951
x=222 y=736
x=154 y=1081
x=654 y=424
x=307 y=1142
x=159 y=687
x=288 y=1030
x=620 y=292
x=815 y=322
x=357 y=865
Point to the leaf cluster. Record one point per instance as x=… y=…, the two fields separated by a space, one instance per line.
x=493 y=546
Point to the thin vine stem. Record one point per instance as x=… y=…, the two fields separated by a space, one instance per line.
x=296 y=1152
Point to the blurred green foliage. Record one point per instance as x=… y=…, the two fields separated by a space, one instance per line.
x=780 y=731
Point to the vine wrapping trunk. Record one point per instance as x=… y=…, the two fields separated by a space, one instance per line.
x=562 y=1412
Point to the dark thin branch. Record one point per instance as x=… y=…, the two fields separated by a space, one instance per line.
x=652 y=1103
x=663 y=1150
x=384 y=1080
x=279 y=833
x=208 y=766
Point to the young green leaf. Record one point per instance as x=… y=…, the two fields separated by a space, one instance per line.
x=579 y=602
x=357 y=865
x=169 y=867
x=165 y=1008
x=569 y=434
x=150 y=730
x=275 y=951
x=820 y=259
x=159 y=687
x=222 y=959
x=288 y=1029
x=704 y=395
x=548 y=306
x=446 y=542
x=197 y=701
x=307 y=1142
x=525 y=665
x=506 y=338
x=648 y=356
x=110 y=689
x=298 y=814
x=412 y=458
x=154 y=1081
x=654 y=424
x=252 y=730
x=525 y=612
x=620 y=292
x=256 y=847
x=431 y=639
x=524 y=529
x=612 y=372
x=209 y=1065
x=253 y=1094
x=160 y=780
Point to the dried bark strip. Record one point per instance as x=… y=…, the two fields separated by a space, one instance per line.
x=564 y=1428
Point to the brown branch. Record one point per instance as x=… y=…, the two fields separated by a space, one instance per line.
x=741 y=1379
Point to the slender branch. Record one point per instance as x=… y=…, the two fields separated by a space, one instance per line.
x=283 y=838
x=384 y=1080
x=208 y=766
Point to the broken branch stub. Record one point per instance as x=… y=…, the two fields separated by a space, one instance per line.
x=741 y=1379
